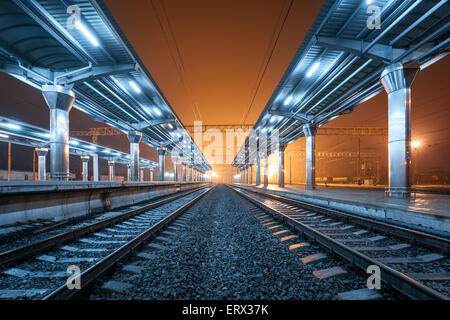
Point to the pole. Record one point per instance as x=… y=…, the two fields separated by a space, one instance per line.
x=9 y=161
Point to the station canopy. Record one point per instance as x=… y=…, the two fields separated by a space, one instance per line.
x=16 y=132
x=339 y=63
x=43 y=42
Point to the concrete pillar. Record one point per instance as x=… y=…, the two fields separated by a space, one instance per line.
x=95 y=166
x=265 y=171
x=111 y=170
x=183 y=171
x=84 y=169
x=141 y=176
x=60 y=101
x=258 y=171
x=397 y=80
x=250 y=178
x=42 y=172
x=175 y=168
x=310 y=131
x=135 y=138
x=281 y=149
x=161 y=153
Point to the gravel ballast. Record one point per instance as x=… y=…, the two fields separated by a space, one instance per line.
x=220 y=250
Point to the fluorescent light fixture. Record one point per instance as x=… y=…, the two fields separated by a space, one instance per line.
x=118 y=154
x=11 y=126
x=170 y=126
x=73 y=142
x=135 y=86
x=313 y=69
x=273 y=119
x=92 y=147
x=369 y=1
x=157 y=111
x=288 y=99
x=106 y=151
x=44 y=135
x=86 y=33
x=4 y=136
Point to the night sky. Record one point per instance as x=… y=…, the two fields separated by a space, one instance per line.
x=208 y=57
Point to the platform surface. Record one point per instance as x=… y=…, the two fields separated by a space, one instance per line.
x=425 y=209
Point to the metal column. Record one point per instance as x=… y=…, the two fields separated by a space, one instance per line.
x=9 y=161
x=183 y=165
x=265 y=171
x=310 y=131
x=281 y=149
x=258 y=171
x=135 y=138
x=397 y=79
x=141 y=177
x=111 y=170
x=151 y=174
x=161 y=154
x=175 y=168
x=95 y=166
x=60 y=101
x=190 y=173
x=85 y=169
x=246 y=176
x=250 y=178
x=128 y=172
x=42 y=171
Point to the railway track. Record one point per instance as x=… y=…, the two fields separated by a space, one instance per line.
x=223 y=248
x=416 y=264
x=40 y=270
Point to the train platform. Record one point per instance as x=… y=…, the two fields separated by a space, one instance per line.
x=424 y=211
x=24 y=204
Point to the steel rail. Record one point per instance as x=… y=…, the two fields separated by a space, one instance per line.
x=22 y=253
x=88 y=277
x=426 y=239
x=404 y=284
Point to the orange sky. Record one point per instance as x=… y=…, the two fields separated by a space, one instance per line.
x=222 y=45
